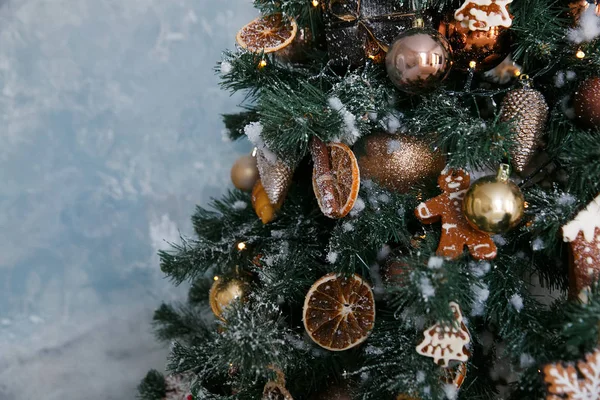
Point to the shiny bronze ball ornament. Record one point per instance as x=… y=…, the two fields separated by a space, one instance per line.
x=244 y=173
x=225 y=291
x=398 y=162
x=494 y=204
x=418 y=60
x=587 y=103
x=477 y=49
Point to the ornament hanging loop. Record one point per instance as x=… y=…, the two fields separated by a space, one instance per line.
x=525 y=81
x=503 y=173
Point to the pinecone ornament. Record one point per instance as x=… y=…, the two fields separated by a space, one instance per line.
x=527 y=109
x=275 y=174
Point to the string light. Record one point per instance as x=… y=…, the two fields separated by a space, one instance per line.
x=216 y=278
x=517 y=72
x=580 y=54
x=315 y=3
x=472 y=64
x=262 y=63
x=241 y=246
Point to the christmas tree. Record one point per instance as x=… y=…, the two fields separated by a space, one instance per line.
x=419 y=218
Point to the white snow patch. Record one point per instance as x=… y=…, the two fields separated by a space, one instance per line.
x=240 y=205
x=332 y=257
x=559 y=79
x=479 y=269
x=481 y=294
x=359 y=206
x=277 y=234
x=253 y=130
x=450 y=390
x=350 y=131
x=526 y=360
x=538 y=244
x=435 y=262
x=566 y=199
x=226 y=67
x=499 y=240
x=420 y=376
x=588 y=28
x=571 y=75
x=393 y=145
x=427 y=289
x=517 y=302
x=384 y=252
x=347 y=227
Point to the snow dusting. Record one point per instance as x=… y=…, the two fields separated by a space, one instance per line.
x=517 y=302
x=588 y=28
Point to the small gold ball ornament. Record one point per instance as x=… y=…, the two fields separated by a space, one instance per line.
x=244 y=173
x=493 y=204
x=225 y=291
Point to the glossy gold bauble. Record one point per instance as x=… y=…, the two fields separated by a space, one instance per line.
x=418 y=60
x=224 y=292
x=486 y=48
x=493 y=204
x=244 y=173
x=398 y=162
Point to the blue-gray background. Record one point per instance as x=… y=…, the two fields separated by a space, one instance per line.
x=109 y=135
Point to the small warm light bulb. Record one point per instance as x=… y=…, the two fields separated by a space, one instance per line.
x=517 y=72
x=580 y=54
x=262 y=63
x=241 y=246
x=315 y=3
x=473 y=64
x=216 y=278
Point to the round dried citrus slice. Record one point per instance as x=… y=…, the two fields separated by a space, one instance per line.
x=267 y=33
x=339 y=311
x=336 y=178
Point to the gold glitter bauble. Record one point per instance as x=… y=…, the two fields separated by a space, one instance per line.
x=244 y=173
x=493 y=204
x=335 y=392
x=526 y=108
x=225 y=291
x=398 y=162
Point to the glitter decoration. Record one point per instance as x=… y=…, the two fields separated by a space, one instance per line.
x=275 y=175
x=398 y=162
x=587 y=103
x=528 y=111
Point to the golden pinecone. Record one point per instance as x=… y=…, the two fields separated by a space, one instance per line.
x=528 y=111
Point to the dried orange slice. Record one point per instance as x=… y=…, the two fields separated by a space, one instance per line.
x=336 y=178
x=339 y=311
x=267 y=33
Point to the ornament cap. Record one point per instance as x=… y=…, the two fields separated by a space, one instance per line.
x=503 y=173
x=419 y=23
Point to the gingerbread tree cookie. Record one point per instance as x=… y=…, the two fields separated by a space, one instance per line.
x=482 y=15
x=565 y=383
x=445 y=342
x=583 y=234
x=456 y=231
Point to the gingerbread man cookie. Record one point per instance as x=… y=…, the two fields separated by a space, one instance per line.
x=456 y=231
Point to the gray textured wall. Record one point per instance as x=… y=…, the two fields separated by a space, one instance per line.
x=109 y=135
